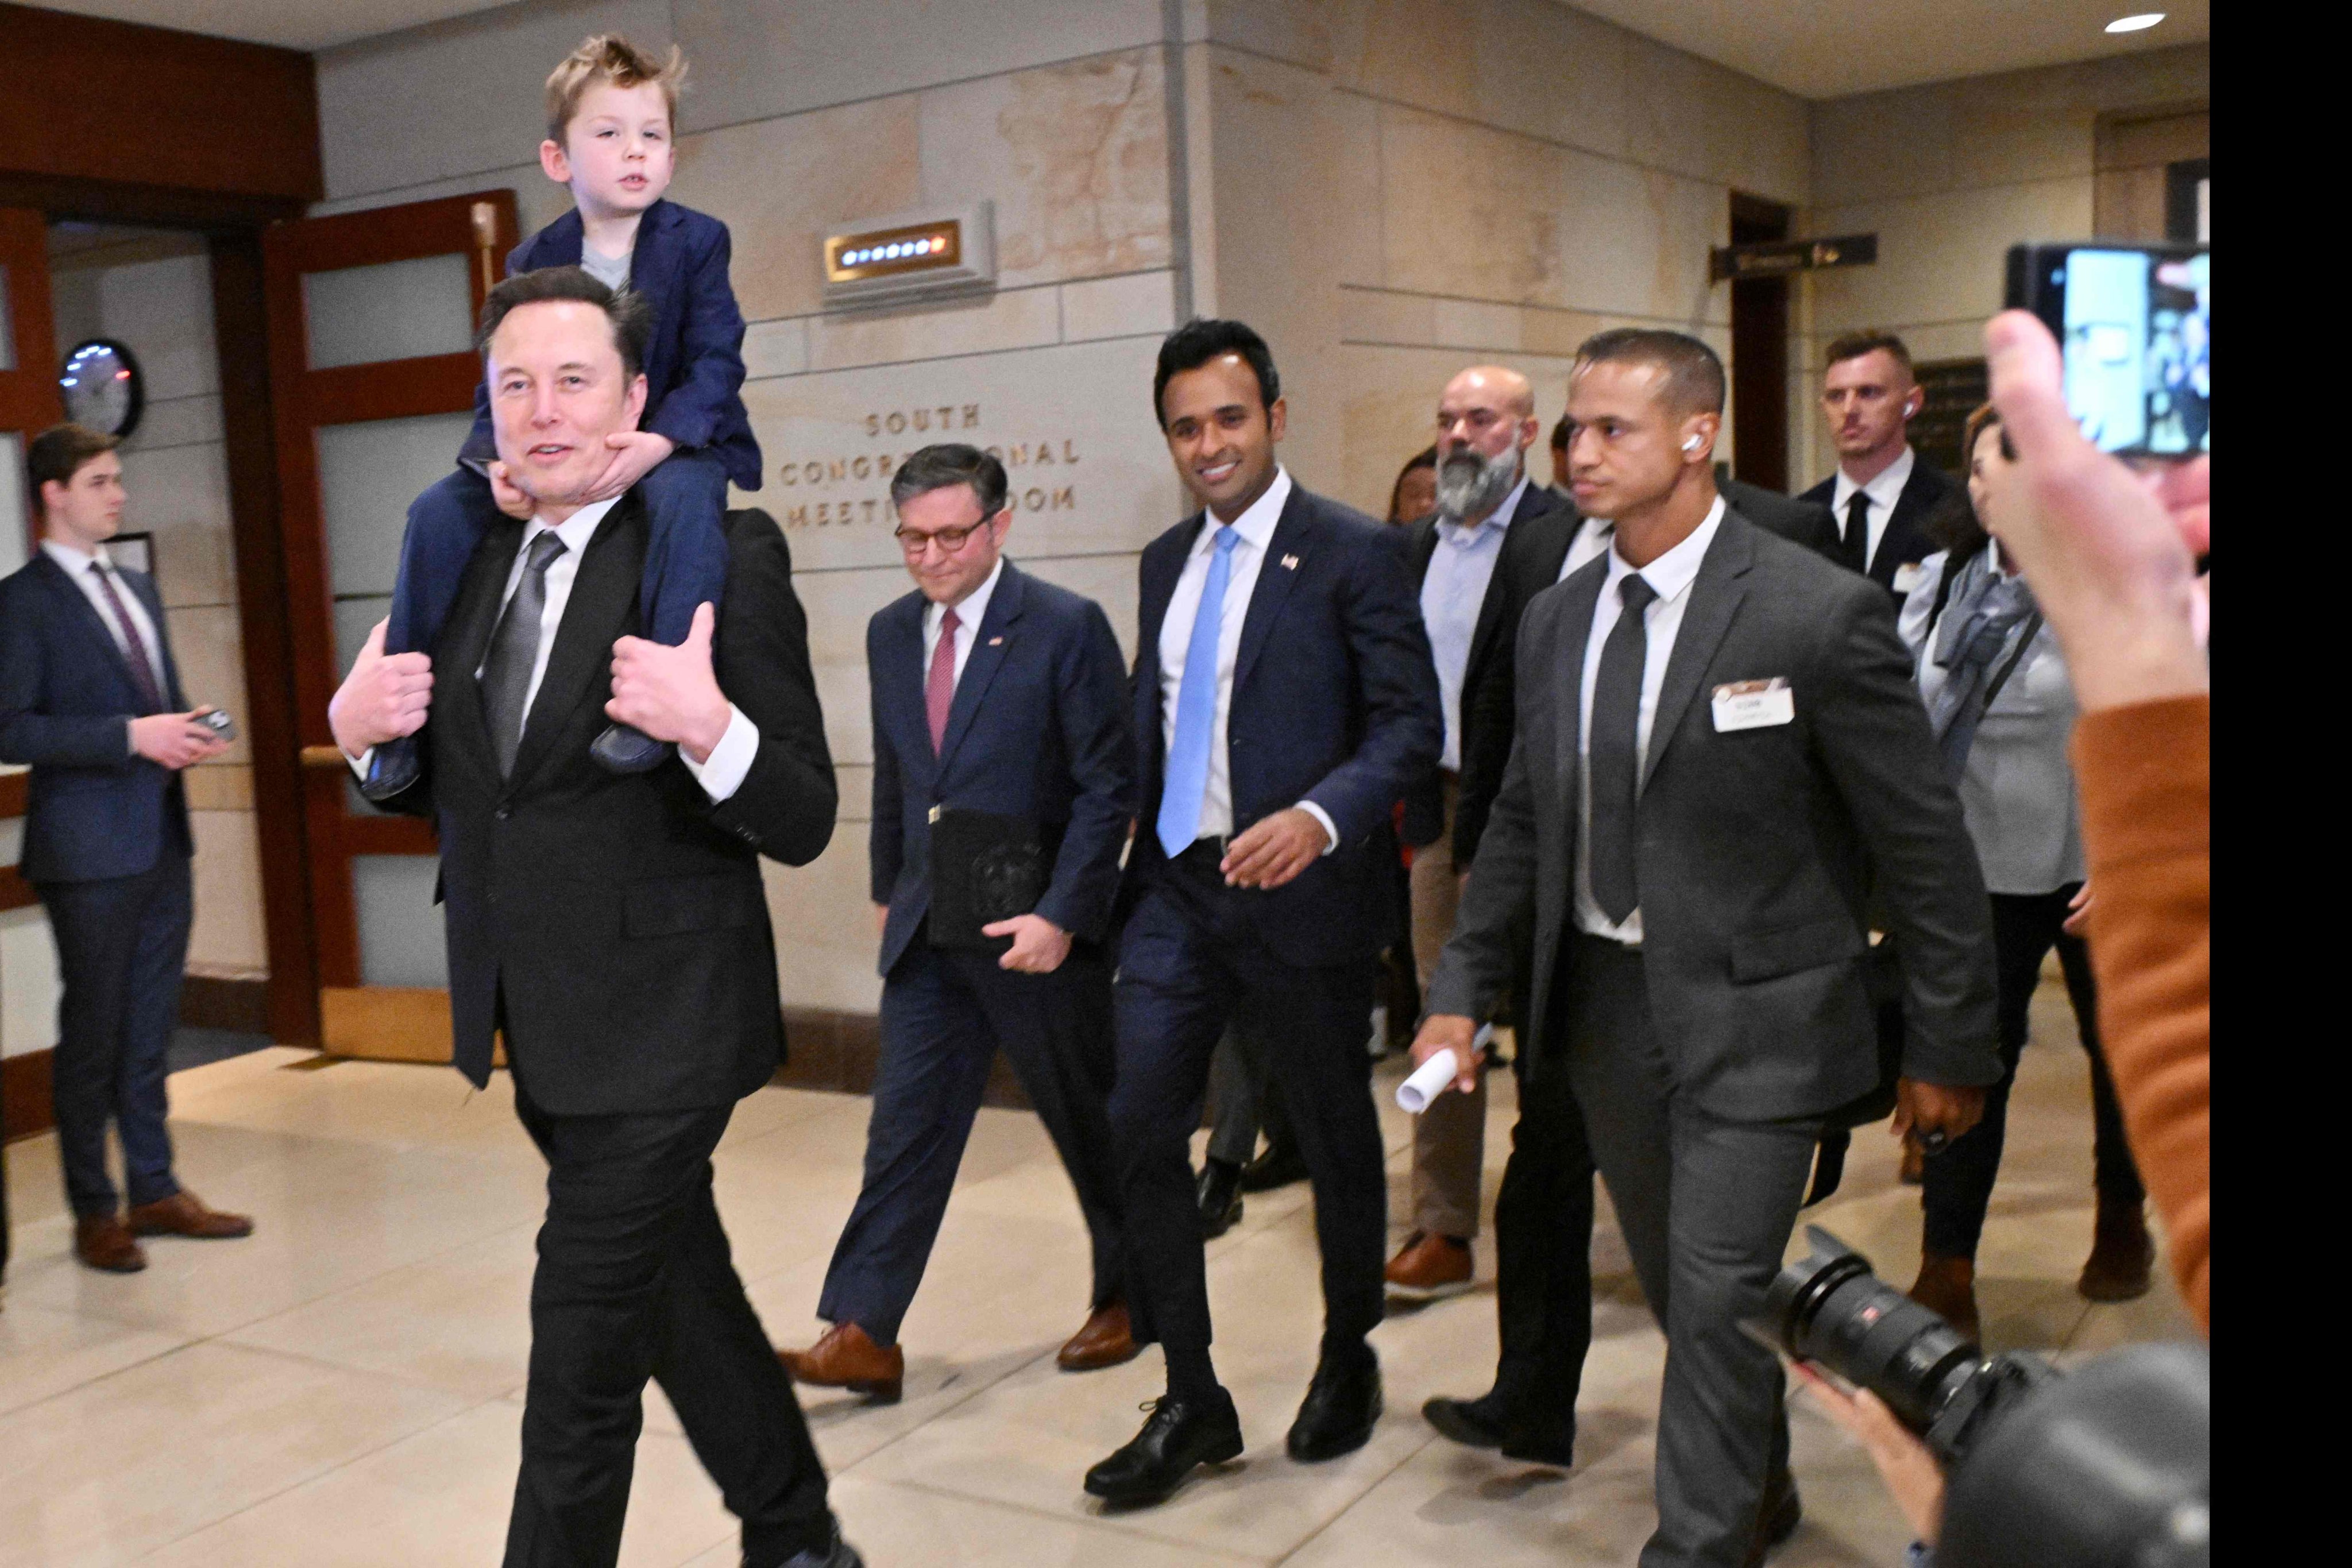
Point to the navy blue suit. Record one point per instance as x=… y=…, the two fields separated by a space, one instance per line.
x=1334 y=700
x=107 y=846
x=694 y=386
x=1038 y=729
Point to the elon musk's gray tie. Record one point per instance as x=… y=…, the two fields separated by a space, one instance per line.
x=514 y=649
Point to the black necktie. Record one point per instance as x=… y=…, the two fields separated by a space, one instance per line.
x=1856 y=542
x=514 y=649
x=1616 y=752
x=143 y=668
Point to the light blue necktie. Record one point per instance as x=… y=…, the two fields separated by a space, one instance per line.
x=1196 y=709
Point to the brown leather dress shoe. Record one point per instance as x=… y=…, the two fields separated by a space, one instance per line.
x=1429 y=1268
x=1947 y=1288
x=103 y=1242
x=2121 y=1255
x=847 y=1358
x=184 y=1213
x=1106 y=1339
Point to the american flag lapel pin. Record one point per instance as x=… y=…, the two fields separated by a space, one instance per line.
x=1290 y=563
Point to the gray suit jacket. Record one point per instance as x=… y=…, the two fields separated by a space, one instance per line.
x=1763 y=856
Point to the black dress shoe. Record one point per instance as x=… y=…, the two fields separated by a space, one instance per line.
x=1179 y=1434
x=1341 y=1405
x=1473 y=1423
x=835 y=1553
x=1487 y=1422
x=1277 y=1167
x=1220 y=1192
x=623 y=750
x=391 y=768
x=1776 y=1517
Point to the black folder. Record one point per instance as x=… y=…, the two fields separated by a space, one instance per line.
x=984 y=868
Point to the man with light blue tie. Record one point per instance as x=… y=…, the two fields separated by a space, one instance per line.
x=1285 y=701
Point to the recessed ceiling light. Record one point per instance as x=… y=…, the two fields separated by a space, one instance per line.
x=2138 y=21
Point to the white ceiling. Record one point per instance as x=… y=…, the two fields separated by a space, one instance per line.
x=1827 y=48
x=1816 y=49
x=294 y=24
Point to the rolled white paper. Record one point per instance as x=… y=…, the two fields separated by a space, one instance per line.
x=1429 y=1080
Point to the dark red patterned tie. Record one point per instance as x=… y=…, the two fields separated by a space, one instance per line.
x=938 y=691
x=142 y=668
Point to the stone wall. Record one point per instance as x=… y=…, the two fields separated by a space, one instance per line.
x=1949 y=176
x=801 y=119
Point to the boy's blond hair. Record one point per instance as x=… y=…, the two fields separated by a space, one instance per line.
x=604 y=58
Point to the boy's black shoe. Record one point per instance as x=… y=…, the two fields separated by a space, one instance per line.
x=391 y=768
x=1180 y=1434
x=623 y=750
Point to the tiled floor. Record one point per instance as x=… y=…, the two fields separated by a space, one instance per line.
x=345 y=1388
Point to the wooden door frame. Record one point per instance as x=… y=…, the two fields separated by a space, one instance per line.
x=308 y=400
x=1759 y=350
x=231 y=227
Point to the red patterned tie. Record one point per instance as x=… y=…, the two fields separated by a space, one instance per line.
x=938 y=691
x=142 y=668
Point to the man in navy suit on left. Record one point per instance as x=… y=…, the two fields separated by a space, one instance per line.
x=998 y=695
x=90 y=697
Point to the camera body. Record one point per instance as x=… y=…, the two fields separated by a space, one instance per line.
x=2110 y=1466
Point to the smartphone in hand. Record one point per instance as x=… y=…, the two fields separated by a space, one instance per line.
x=2136 y=325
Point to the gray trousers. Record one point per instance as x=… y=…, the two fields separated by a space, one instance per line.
x=1706 y=1207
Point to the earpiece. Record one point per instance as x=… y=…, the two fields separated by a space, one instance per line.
x=1691 y=445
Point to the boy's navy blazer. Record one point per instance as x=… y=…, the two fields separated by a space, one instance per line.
x=96 y=810
x=694 y=360
x=1038 y=729
x=1335 y=700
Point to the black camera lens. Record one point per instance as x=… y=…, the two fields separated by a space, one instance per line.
x=1829 y=1308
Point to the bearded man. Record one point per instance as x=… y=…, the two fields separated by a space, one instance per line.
x=1493 y=526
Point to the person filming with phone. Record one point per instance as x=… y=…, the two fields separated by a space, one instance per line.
x=90 y=694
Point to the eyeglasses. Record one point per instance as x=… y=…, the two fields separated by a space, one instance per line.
x=949 y=540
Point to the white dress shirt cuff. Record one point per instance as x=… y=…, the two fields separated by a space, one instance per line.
x=360 y=762
x=1331 y=833
x=720 y=774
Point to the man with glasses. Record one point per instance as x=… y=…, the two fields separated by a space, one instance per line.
x=1004 y=782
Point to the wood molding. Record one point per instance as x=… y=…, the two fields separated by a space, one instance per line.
x=15 y=893
x=385 y=1022
x=89 y=98
x=240 y=313
x=15 y=790
x=212 y=1002
x=25 y=1106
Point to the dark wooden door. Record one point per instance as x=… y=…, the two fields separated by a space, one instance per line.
x=30 y=402
x=372 y=371
x=1760 y=352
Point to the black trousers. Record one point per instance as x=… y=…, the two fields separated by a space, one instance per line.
x=1191 y=963
x=634 y=1280
x=1706 y=1206
x=945 y=1011
x=123 y=945
x=1543 y=1252
x=1957 y=1185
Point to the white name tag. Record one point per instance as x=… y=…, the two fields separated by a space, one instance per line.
x=1754 y=704
x=1909 y=576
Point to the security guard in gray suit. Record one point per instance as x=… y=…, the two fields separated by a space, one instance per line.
x=1721 y=778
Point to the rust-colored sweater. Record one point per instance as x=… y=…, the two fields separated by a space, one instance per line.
x=2146 y=779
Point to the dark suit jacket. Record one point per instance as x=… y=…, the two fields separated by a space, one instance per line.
x=96 y=810
x=1905 y=542
x=615 y=926
x=1804 y=523
x=1334 y=700
x=694 y=361
x=1756 y=848
x=1533 y=546
x=1039 y=728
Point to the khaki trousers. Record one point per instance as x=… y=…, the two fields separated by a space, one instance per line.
x=1449 y=1139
